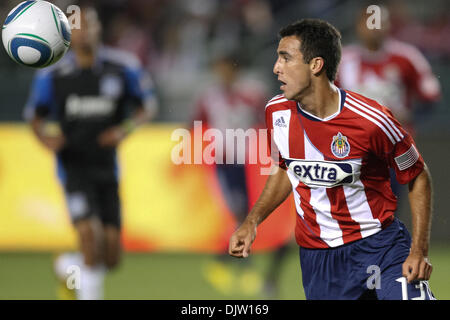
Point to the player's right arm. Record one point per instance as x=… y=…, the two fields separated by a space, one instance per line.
x=420 y=76
x=54 y=140
x=277 y=189
x=39 y=107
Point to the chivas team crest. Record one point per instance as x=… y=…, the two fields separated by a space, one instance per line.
x=340 y=146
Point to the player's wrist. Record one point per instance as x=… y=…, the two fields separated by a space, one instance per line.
x=419 y=250
x=128 y=126
x=251 y=222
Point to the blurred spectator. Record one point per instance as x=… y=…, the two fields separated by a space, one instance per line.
x=427 y=31
x=394 y=73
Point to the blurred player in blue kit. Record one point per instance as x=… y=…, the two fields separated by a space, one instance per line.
x=88 y=94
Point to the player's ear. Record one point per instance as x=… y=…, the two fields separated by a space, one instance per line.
x=316 y=65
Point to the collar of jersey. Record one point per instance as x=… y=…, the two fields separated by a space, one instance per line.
x=98 y=59
x=312 y=117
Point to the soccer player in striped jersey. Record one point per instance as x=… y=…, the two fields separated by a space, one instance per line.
x=334 y=150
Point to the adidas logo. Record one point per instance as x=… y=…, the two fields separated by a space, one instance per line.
x=280 y=123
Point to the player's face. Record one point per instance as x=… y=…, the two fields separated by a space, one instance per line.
x=293 y=73
x=88 y=36
x=372 y=38
x=225 y=71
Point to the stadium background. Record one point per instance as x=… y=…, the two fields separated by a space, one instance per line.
x=174 y=217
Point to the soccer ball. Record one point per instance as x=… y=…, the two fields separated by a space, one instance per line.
x=36 y=34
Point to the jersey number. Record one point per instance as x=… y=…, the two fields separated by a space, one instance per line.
x=404 y=284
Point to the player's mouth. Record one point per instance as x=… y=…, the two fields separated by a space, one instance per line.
x=283 y=84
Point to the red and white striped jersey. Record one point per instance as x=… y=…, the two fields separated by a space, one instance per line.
x=338 y=167
x=394 y=75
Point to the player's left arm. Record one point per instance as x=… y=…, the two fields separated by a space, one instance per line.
x=398 y=149
x=139 y=87
x=417 y=265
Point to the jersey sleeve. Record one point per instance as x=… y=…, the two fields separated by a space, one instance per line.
x=421 y=77
x=391 y=143
x=271 y=145
x=41 y=101
x=140 y=88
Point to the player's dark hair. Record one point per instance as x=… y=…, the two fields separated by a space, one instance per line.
x=318 y=38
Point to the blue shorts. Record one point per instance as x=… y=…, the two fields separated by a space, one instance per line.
x=370 y=267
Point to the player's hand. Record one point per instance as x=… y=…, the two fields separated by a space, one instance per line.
x=417 y=267
x=241 y=241
x=111 y=137
x=54 y=143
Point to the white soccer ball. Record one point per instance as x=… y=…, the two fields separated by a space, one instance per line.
x=36 y=34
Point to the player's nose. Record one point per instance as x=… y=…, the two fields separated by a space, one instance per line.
x=276 y=67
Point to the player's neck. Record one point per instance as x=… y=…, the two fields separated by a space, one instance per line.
x=85 y=59
x=373 y=46
x=322 y=100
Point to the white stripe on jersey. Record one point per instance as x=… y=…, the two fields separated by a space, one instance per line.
x=276 y=102
x=330 y=232
x=277 y=97
x=295 y=181
x=281 y=134
x=410 y=53
x=373 y=114
x=372 y=120
x=353 y=99
x=358 y=206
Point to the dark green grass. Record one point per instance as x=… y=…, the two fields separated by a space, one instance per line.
x=171 y=276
